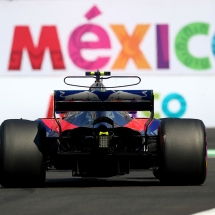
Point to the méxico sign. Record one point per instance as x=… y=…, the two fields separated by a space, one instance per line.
x=90 y=42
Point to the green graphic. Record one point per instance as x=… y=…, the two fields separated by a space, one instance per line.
x=211 y=153
x=181 y=46
x=156 y=114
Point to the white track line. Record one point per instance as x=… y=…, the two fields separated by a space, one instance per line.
x=207 y=212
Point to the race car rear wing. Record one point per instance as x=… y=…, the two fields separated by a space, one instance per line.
x=110 y=100
x=97 y=98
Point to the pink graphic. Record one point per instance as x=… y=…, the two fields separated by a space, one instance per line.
x=76 y=44
x=93 y=12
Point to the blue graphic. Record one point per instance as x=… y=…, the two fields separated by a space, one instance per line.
x=180 y=99
x=213 y=45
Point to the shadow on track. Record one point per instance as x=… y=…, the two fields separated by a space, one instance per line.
x=93 y=182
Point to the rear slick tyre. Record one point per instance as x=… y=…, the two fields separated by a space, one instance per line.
x=21 y=158
x=183 y=151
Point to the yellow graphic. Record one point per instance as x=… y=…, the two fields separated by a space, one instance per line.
x=103 y=133
x=100 y=72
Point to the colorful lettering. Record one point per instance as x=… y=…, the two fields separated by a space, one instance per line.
x=130 y=47
x=181 y=46
x=22 y=40
x=213 y=45
x=76 y=45
x=156 y=114
x=50 y=111
x=162 y=47
x=168 y=99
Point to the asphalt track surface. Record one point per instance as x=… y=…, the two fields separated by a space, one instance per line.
x=136 y=193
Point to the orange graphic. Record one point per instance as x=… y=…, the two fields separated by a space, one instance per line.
x=130 y=47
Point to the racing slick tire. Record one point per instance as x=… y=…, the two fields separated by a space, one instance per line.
x=21 y=157
x=183 y=151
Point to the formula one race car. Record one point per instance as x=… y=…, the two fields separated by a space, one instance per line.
x=94 y=134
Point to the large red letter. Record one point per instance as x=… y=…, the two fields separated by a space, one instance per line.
x=50 y=107
x=48 y=40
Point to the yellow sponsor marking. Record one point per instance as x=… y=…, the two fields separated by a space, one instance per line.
x=103 y=133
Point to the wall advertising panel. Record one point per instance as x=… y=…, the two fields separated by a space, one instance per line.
x=30 y=97
x=62 y=36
